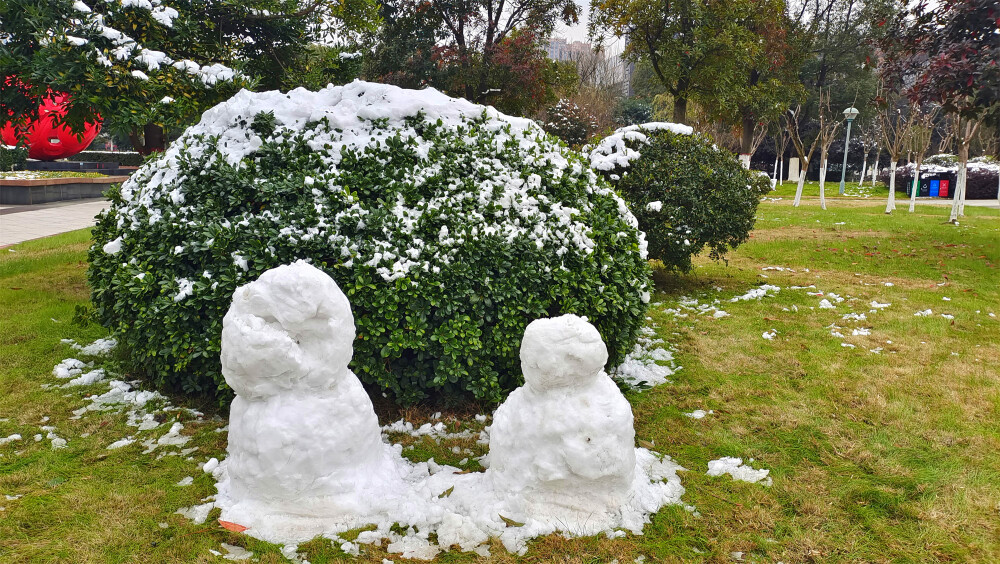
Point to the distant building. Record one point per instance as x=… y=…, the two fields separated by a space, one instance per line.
x=559 y=50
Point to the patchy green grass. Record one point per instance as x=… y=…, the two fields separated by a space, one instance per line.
x=888 y=456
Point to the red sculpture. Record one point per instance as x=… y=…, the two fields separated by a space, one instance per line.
x=45 y=141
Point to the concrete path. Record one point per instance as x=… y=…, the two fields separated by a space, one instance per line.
x=23 y=223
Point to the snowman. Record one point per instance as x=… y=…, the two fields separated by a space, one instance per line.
x=303 y=436
x=562 y=446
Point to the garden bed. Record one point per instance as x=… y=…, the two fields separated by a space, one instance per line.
x=41 y=190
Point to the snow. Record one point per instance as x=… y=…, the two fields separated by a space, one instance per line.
x=739 y=471
x=757 y=293
x=612 y=151
x=641 y=368
x=100 y=347
x=654 y=206
x=10 y=439
x=306 y=455
x=699 y=413
x=87 y=379
x=121 y=443
x=923 y=313
x=770 y=335
x=186 y=481
x=825 y=304
x=69 y=368
x=113 y=246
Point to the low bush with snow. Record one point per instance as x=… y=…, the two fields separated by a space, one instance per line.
x=448 y=225
x=686 y=193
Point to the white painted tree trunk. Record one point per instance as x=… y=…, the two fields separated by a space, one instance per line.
x=891 y=204
x=915 y=188
x=958 y=194
x=745 y=160
x=781 y=171
x=864 y=167
x=798 y=191
x=822 y=185
x=964 y=171
x=774 y=173
x=998 y=187
x=875 y=170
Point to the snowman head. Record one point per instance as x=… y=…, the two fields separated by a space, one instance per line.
x=292 y=328
x=561 y=352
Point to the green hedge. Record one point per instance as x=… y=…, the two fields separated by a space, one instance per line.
x=12 y=157
x=448 y=241
x=686 y=193
x=129 y=158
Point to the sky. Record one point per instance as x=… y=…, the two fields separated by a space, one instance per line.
x=578 y=32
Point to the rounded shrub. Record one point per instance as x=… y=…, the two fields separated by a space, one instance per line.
x=448 y=225
x=686 y=193
x=569 y=122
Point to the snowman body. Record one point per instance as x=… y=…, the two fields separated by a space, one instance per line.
x=562 y=445
x=303 y=436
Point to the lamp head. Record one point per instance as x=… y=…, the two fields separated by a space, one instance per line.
x=851 y=113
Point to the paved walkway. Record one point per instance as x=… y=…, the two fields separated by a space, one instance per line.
x=23 y=223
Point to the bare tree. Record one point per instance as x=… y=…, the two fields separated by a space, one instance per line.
x=792 y=125
x=895 y=128
x=965 y=131
x=868 y=137
x=780 y=145
x=919 y=140
x=828 y=126
x=947 y=132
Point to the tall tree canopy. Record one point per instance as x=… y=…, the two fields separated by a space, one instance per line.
x=487 y=51
x=143 y=64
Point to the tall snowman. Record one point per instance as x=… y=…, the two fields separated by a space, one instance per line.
x=562 y=446
x=303 y=436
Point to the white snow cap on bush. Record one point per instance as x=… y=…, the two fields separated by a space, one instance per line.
x=611 y=151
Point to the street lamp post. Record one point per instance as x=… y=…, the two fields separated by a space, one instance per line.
x=850 y=114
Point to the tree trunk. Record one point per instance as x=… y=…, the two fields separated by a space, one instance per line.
x=875 y=170
x=774 y=173
x=822 y=184
x=781 y=171
x=746 y=139
x=891 y=204
x=864 y=167
x=152 y=140
x=802 y=181
x=680 y=109
x=915 y=188
x=958 y=204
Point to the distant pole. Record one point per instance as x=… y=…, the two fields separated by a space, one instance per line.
x=850 y=114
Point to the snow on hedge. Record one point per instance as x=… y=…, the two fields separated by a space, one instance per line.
x=612 y=152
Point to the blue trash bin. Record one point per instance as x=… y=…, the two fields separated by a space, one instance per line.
x=935 y=188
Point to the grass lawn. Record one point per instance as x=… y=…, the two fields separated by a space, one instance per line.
x=885 y=452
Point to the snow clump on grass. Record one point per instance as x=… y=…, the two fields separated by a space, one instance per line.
x=739 y=471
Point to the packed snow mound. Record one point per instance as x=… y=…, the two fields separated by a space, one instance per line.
x=291 y=329
x=611 y=152
x=309 y=460
x=303 y=436
x=465 y=218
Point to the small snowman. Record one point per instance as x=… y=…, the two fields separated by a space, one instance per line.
x=303 y=436
x=562 y=446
